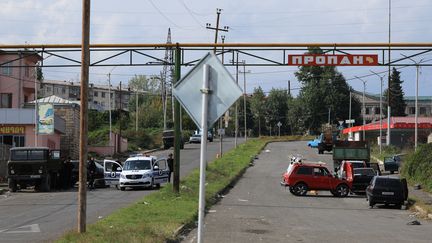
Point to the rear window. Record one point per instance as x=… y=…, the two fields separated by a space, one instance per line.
x=386 y=182
x=304 y=171
x=362 y=171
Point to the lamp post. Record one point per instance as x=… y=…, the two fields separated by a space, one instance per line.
x=381 y=78
x=244 y=96
x=417 y=64
x=109 y=109
x=364 y=107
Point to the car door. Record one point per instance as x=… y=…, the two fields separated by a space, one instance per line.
x=160 y=171
x=321 y=178
x=112 y=170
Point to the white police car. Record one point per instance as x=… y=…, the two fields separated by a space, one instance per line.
x=143 y=171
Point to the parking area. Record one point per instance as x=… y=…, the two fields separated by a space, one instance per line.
x=259 y=209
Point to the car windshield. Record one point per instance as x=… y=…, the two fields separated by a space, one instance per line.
x=357 y=164
x=29 y=154
x=137 y=165
x=196 y=136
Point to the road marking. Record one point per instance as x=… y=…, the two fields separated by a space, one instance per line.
x=32 y=228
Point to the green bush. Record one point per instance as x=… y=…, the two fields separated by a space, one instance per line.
x=417 y=167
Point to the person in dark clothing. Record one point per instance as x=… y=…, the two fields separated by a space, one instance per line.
x=170 y=162
x=91 y=168
x=66 y=173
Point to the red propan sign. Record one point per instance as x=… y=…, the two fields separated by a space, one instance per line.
x=332 y=60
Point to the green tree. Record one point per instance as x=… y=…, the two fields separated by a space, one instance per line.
x=324 y=89
x=397 y=102
x=276 y=109
x=257 y=103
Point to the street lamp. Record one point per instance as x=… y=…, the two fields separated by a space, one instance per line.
x=417 y=64
x=244 y=95
x=381 y=78
x=364 y=107
x=109 y=109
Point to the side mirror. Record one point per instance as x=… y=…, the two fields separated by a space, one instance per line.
x=155 y=167
x=119 y=169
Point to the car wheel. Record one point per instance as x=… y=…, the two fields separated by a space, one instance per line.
x=320 y=151
x=300 y=189
x=157 y=186
x=342 y=190
x=122 y=188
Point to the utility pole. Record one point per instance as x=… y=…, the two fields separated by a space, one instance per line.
x=389 y=80
x=217 y=29
x=109 y=110
x=289 y=87
x=120 y=120
x=85 y=63
x=244 y=97
x=236 y=62
x=417 y=64
x=381 y=118
x=136 y=111
x=177 y=132
x=364 y=107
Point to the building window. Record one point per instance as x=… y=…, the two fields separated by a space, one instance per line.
x=95 y=94
x=377 y=110
x=18 y=141
x=48 y=89
x=412 y=110
x=5 y=100
x=367 y=110
x=422 y=110
x=6 y=69
x=103 y=94
x=27 y=70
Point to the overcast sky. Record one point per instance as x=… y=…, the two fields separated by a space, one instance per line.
x=290 y=21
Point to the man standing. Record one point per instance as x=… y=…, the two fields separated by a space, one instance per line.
x=91 y=172
x=170 y=162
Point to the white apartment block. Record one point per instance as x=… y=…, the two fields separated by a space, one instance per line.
x=99 y=95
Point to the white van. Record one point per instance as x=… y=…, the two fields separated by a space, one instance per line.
x=143 y=171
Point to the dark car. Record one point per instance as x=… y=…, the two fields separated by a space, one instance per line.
x=99 y=176
x=387 y=190
x=391 y=164
x=168 y=139
x=362 y=178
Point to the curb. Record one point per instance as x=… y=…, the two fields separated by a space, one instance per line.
x=2 y=191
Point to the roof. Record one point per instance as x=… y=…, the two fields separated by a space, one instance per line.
x=407 y=122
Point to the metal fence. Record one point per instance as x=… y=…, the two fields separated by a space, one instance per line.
x=4 y=156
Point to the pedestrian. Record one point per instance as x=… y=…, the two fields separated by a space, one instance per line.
x=170 y=162
x=66 y=174
x=91 y=172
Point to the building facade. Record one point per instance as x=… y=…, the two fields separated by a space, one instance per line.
x=99 y=97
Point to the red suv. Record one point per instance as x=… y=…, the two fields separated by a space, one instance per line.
x=305 y=177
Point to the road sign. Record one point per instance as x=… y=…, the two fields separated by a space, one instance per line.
x=279 y=124
x=333 y=60
x=349 y=121
x=341 y=122
x=223 y=90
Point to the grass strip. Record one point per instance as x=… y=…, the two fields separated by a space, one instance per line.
x=157 y=216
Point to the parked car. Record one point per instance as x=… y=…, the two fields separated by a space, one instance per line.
x=99 y=181
x=392 y=163
x=313 y=176
x=314 y=143
x=362 y=178
x=196 y=138
x=387 y=190
x=346 y=168
x=143 y=171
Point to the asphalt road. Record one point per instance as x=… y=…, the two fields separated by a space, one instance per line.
x=39 y=217
x=258 y=209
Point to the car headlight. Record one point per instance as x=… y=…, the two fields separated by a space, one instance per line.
x=122 y=176
x=12 y=172
x=146 y=175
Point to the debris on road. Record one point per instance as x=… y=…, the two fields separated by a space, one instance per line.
x=414 y=222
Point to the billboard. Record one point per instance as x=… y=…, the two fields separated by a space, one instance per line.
x=333 y=60
x=45 y=124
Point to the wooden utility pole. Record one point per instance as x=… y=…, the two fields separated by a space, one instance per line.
x=120 y=120
x=85 y=63
x=177 y=132
x=225 y=28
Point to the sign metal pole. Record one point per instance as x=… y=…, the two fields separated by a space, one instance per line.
x=203 y=153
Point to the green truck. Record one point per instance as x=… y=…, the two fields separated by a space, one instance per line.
x=33 y=166
x=350 y=150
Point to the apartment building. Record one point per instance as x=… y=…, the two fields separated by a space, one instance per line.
x=99 y=97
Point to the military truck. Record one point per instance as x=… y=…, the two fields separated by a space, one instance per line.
x=351 y=151
x=33 y=166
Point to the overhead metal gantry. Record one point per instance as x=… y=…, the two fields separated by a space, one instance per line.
x=258 y=54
